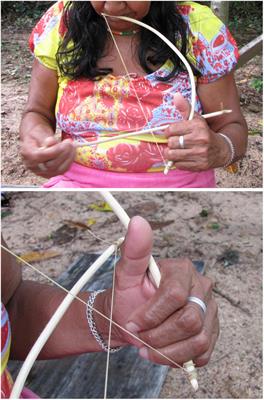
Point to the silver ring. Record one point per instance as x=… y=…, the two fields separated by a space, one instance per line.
x=198 y=301
x=42 y=167
x=181 y=142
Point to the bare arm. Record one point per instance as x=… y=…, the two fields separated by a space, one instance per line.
x=38 y=120
x=223 y=92
x=30 y=305
x=38 y=125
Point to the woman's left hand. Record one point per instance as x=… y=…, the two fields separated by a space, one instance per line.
x=203 y=148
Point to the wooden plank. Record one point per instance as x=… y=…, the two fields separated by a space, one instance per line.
x=250 y=50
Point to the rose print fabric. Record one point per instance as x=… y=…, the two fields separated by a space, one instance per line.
x=89 y=110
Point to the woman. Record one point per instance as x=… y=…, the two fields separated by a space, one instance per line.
x=139 y=307
x=79 y=84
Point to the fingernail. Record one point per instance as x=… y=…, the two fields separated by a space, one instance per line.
x=143 y=352
x=132 y=327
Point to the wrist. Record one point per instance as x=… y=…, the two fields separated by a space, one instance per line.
x=36 y=132
x=102 y=303
x=227 y=152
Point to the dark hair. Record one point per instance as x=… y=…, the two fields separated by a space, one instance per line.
x=86 y=33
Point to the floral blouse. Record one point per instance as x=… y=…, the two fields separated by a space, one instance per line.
x=89 y=110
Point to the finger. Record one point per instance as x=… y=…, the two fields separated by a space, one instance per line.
x=174 y=142
x=42 y=155
x=189 y=349
x=205 y=358
x=182 y=105
x=212 y=325
x=178 y=155
x=186 y=322
x=50 y=153
x=202 y=288
x=65 y=158
x=67 y=163
x=168 y=298
x=186 y=127
x=135 y=254
x=48 y=142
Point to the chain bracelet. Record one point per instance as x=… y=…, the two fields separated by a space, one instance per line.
x=231 y=147
x=92 y=326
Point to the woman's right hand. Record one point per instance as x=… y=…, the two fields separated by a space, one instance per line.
x=163 y=317
x=41 y=152
x=49 y=158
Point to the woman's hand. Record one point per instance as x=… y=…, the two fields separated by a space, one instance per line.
x=203 y=148
x=41 y=152
x=161 y=317
x=48 y=158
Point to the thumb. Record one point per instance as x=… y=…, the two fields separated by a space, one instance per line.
x=135 y=254
x=182 y=105
x=49 y=142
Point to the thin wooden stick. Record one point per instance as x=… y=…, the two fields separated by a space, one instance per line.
x=123 y=135
x=216 y=113
x=143 y=131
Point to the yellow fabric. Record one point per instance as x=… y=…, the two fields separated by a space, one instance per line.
x=45 y=50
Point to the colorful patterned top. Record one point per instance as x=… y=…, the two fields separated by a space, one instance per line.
x=89 y=110
x=6 y=380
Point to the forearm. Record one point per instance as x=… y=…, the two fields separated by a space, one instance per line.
x=39 y=116
x=213 y=96
x=31 y=308
x=237 y=133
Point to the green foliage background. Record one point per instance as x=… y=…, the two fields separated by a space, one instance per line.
x=29 y=9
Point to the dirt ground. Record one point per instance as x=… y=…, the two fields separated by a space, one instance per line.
x=223 y=229
x=16 y=69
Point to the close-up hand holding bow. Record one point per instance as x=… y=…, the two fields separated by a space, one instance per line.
x=164 y=318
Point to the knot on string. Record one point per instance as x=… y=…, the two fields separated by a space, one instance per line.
x=118 y=242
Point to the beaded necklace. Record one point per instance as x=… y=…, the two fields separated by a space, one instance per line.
x=125 y=33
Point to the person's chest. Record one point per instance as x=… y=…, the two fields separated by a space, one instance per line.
x=122 y=58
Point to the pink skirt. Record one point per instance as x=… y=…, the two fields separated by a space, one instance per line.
x=79 y=176
x=28 y=394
